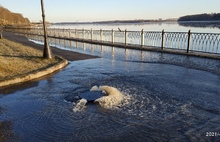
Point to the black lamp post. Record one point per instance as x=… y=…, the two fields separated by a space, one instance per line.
x=47 y=51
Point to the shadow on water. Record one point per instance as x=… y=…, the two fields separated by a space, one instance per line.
x=6 y=132
x=18 y=87
x=22 y=86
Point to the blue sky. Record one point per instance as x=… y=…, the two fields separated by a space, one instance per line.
x=98 y=10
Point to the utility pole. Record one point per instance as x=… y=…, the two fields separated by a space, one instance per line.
x=47 y=51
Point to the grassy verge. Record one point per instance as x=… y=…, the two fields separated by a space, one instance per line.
x=17 y=59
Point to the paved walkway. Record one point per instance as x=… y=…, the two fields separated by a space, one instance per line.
x=69 y=55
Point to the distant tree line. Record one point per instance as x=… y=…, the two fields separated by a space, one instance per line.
x=201 y=17
x=121 y=21
x=9 y=18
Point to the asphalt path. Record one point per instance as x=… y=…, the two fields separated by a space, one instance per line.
x=69 y=55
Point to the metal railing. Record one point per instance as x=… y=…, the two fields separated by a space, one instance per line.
x=188 y=41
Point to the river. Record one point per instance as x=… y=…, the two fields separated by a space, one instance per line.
x=210 y=27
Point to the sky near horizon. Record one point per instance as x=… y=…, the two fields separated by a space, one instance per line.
x=103 y=10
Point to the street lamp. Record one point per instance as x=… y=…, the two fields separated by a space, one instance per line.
x=47 y=51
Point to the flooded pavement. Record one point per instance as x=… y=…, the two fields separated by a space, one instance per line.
x=165 y=100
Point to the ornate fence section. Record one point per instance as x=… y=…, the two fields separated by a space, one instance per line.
x=176 y=40
x=188 y=41
x=134 y=37
x=205 y=42
x=153 y=39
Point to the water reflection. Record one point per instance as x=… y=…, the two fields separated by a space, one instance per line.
x=168 y=99
x=116 y=53
x=166 y=104
x=203 y=24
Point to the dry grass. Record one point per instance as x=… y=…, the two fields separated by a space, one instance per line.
x=17 y=59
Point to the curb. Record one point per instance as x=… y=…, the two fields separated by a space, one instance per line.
x=36 y=74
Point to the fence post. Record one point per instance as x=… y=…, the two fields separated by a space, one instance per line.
x=142 y=38
x=75 y=33
x=69 y=33
x=54 y=32
x=54 y=35
x=162 y=42
x=64 y=33
x=50 y=32
x=125 y=36
x=188 y=44
x=59 y=36
x=113 y=36
x=58 y=32
x=70 y=37
x=91 y=34
x=83 y=33
x=101 y=35
x=64 y=37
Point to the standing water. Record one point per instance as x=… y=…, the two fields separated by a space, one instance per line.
x=165 y=98
x=162 y=103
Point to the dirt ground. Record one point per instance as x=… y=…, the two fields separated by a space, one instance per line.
x=17 y=59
